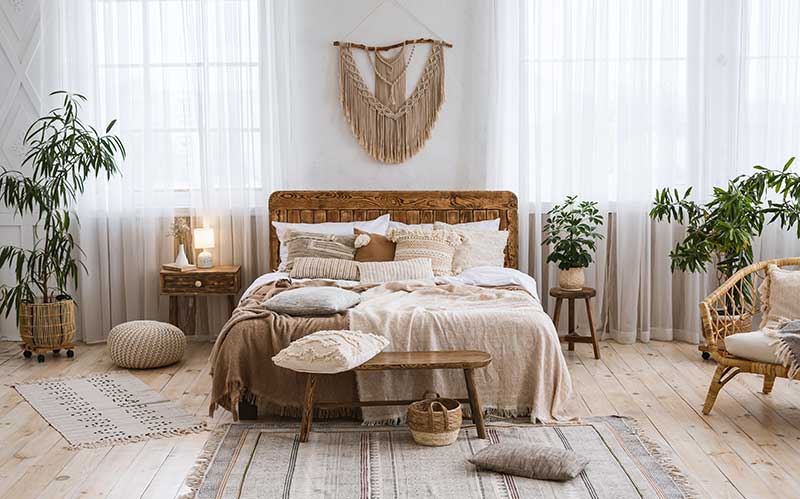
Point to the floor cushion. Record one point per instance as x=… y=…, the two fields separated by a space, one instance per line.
x=145 y=344
x=755 y=346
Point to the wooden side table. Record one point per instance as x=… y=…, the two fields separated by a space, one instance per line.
x=222 y=280
x=571 y=295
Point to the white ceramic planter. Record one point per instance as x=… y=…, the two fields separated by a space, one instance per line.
x=573 y=278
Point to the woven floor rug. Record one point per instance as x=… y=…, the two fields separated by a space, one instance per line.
x=341 y=460
x=106 y=409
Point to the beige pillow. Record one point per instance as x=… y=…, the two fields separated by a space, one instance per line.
x=324 y=268
x=438 y=246
x=780 y=297
x=311 y=244
x=529 y=460
x=312 y=300
x=380 y=272
x=479 y=248
x=329 y=352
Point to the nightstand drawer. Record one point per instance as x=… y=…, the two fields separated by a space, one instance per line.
x=192 y=283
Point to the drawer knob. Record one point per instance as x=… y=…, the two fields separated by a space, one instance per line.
x=198 y=284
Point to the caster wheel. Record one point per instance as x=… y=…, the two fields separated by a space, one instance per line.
x=40 y=358
x=56 y=351
x=706 y=355
x=70 y=354
x=27 y=354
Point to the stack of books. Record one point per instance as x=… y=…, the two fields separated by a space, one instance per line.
x=178 y=268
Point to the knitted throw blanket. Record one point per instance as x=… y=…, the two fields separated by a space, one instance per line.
x=789 y=349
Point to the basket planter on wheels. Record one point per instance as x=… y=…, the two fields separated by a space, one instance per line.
x=47 y=327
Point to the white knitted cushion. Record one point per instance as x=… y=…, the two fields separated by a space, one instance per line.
x=329 y=352
x=145 y=344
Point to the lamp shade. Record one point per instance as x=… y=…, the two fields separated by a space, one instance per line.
x=204 y=238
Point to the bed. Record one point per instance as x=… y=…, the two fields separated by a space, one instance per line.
x=492 y=309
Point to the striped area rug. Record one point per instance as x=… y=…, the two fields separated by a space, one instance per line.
x=348 y=461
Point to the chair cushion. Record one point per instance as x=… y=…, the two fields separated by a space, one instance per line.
x=529 y=460
x=312 y=300
x=755 y=346
x=145 y=344
x=330 y=352
x=779 y=297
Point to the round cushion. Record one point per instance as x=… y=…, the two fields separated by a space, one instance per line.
x=145 y=344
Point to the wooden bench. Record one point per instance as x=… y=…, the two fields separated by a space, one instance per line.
x=468 y=360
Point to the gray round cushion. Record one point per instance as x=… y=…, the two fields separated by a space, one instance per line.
x=145 y=344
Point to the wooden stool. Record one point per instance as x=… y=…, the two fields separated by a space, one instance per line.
x=468 y=360
x=571 y=295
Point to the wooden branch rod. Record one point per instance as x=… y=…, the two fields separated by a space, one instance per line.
x=393 y=46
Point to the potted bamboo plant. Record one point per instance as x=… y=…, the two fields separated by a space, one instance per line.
x=571 y=232
x=63 y=152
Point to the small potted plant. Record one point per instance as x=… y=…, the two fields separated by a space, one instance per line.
x=63 y=153
x=571 y=232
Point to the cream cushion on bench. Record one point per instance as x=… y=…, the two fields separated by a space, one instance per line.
x=145 y=344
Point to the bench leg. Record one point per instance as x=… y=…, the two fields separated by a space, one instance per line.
x=308 y=408
x=474 y=403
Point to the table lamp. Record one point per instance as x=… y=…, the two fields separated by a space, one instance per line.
x=204 y=239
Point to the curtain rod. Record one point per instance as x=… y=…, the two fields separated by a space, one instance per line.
x=393 y=46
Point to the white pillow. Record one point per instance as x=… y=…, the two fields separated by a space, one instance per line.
x=312 y=300
x=330 y=352
x=482 y=225
x=405 y=270
x=377 y=226
x=780 y=294
x=757 y=346
x=479 y=248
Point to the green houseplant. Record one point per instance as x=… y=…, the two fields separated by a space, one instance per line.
x=63 y=152
x=571 y=232
x=721 y=231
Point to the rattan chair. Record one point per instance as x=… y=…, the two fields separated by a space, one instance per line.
x=730 y=310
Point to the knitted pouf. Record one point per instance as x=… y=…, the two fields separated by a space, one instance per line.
x=145 y=344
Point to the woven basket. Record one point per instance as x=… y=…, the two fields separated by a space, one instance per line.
x=47 y=325
x=434 y=422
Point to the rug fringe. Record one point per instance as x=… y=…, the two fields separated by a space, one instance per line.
x=194 y=479
x=501 y=413
x=663 y=459
x=131 y=439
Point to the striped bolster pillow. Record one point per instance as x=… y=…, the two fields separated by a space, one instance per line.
x=379 y=272
x=324 y=268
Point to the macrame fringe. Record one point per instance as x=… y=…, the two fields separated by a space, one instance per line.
x=388 y=136
x=132 y=439
x=504 y=413
x=236 y=393
x=198 y=472
x=786 y=357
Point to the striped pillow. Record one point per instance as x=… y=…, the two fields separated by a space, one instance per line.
x=439 y=246
x=310 y=244
x=324 y=268
x=380 y=272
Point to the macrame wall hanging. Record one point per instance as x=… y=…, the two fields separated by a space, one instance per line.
x=391 y=127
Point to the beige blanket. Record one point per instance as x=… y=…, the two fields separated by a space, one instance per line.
x=528 y=374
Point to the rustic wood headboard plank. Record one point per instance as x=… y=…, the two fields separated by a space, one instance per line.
x=410 y=207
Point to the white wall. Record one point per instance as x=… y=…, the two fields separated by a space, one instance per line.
x=326 y=155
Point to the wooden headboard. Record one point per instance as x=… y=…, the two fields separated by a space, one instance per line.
x=411 y=207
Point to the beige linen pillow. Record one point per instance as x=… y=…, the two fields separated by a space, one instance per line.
x=438 y=246
x=324 y=268
x=531 y=461
x=330 y=352
x=314 y=245
x=479 y=248
x=780 y=296
x=380 y=272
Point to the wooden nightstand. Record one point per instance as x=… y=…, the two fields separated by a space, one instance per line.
x=222 y=280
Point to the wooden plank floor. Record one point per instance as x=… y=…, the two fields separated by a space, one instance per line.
x=748 y=447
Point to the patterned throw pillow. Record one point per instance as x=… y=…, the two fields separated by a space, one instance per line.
x=330 y=352
x=324 y=268
x=479 y=248
x=311 y=244
x=438 y=245
x=531 y=461
x=380 y=272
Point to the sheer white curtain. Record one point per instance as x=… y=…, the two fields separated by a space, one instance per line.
x=612 y=99
x=199 y=90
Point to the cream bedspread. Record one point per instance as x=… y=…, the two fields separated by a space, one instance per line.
x=528 y=373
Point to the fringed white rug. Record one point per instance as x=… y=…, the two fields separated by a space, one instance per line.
x=107 y=409
x=261 y=461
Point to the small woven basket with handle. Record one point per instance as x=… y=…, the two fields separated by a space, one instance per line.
x=434 y=422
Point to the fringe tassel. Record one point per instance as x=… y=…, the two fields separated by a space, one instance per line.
x=195 y=478
x=388 y=136
x=786 y=357
x=131 y=439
